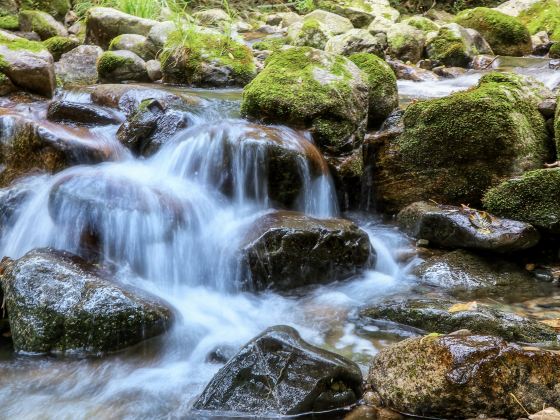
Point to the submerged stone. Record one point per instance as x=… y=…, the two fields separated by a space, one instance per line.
x=76 y=112
x=277 y=373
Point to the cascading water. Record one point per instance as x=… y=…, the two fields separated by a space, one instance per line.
x=172 y=224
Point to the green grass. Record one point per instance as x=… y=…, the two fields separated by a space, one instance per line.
x=149 y=9
x=305 y=6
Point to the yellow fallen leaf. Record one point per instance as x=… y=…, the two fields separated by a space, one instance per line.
x=554 y=323
x=461 y=307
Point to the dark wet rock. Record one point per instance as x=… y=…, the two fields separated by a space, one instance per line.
x=11 y=199
x=151 y=125
x=446 y=316
x=464 y=376
x=121 y=66
x=82 y=113
x=462 y=227
x=408 y=72
x=449 y=72
x=79 y=66
x=28 y=64
x=6 y=85
x=285 y=250
x=548 y=108
x=41 y=23
x=277 y=373
x=483 y=62
x=462 y=271
x=58 y=303
x=103 y=24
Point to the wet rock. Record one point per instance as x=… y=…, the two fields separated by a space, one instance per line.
x=357 y=41
x=76 y=112
x=446 y=316
x=541 y=43
x=41 y=23
x=285 y=250
x=450 y=72
x=459 y=377
x=505 y=34
x=103 y=24
x=462 y=227
x=300 y=378
x=28 y=64
x=337 y=122
x=58 y=303
x=432 y=158
x=121 y=66
x=79 y=66
x=405 y=42
x=153 y=67
x=11 y=199
x=58 y=45
x=407 y=72
x=6 y=85
x=462 y=271
x=132 y=42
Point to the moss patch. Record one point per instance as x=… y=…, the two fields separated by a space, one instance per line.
x=56 y=8
x=109 y=62
x=448 y=48
x=58 y=45
x=506 y=34
x=21 y=44
x=422 y=23
x=10 y=23
x=271 y=44
x=543 y=16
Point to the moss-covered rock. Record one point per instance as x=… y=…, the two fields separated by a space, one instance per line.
x=383 y=93
x=308 y=88
x=270 y=44
x=9 y=23
x=544 y=15
x=422 y=23
x=505 y=34
x=58 y=45
x=554 y=51
x=454 y=46
x=333 y=23
x=206 y=59
x=531 y=198
x=132 y=42
x=309 y=33
x=55 y=8
x=120 y=66
x=463 y=376
x=59 y=303
x=357 y=41
x=405 y=42
x=453 y=149
x=41 y=23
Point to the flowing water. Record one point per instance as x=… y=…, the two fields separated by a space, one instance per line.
x=172 y=224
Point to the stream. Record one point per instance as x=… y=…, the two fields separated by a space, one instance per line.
x=136 y=201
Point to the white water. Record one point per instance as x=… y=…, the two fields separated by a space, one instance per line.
x=167 y=224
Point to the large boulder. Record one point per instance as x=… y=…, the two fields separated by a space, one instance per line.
x=28 y=64
x=357 y=41
x=309 y=33
x=463 y=227
x=446 y=316
x=333 y=23
x=307 y=88
x=58 y=303
x=456 y=46
x=284 y=250
x=79 y=65
x=383 y=92
x=207 y=60
x=465 y=376
x=452 y=149
x=121 y=66
x=41 y=23
x=505 y=34
x=405 y=42
x=531 y=198
x=542 y=15
x=103 y=24
x=279 y=374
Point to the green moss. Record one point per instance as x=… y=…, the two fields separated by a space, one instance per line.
x=56 y=8
x=58 y=45
x=448 y=48
x=21 y=44
x=543 y=16
x=554 y=51
x=531 y=198
x=506 y=34
x=422 y=23
x=109 y=62
x=270 y=44
x=311 y=34
x=10 y=23
x=184 y=55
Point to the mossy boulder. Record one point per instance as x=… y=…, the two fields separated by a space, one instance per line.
x=531 y=198
x=453 y=149
x=543 y=15
x=309 y=33
x=456 y=46
x=445 y=316
x=58 y=45
x=357 y=41
x=55 y=8
x=307 y=88
x=383 y=93
x=121 y=66
x=132 y=42
x=405 y=42
x=506 y=34
x=58 y=303
x=270 y=44
x=333 y=23
x=206 y=59
x=28 y=64
x=41 y=23
x=463 y=376
x=422 y=23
